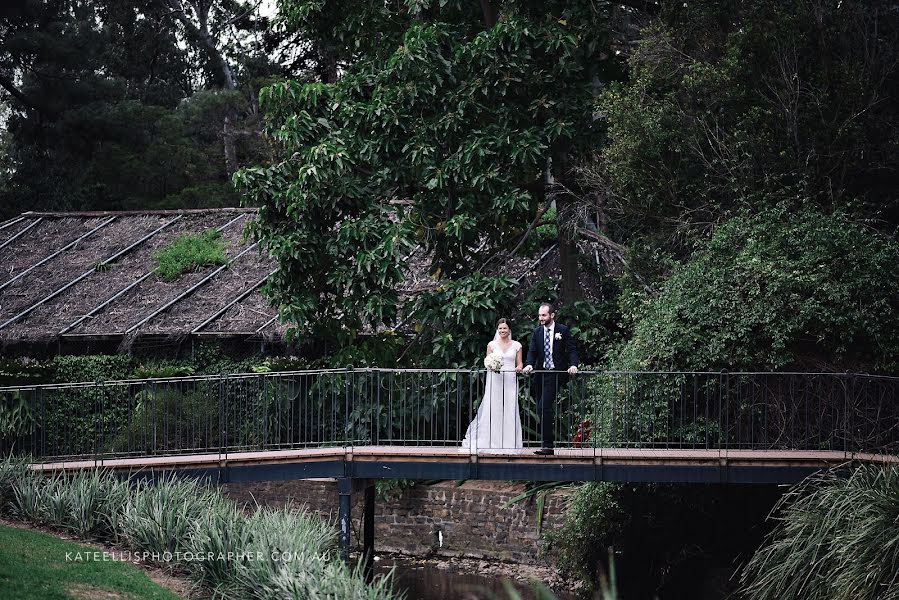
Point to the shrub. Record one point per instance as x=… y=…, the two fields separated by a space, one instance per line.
x=160 y=517
x=286 y=553
x=593 y=520
x=190 y=252
x=773 y=291
x=12 y=472
x=835 y=538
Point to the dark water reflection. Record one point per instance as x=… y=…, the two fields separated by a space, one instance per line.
x=426 y=581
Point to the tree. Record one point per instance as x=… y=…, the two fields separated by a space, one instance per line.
x=205 y=34
x=108 y=108
x=450 y=128
x=776 y=291
x=743 y=106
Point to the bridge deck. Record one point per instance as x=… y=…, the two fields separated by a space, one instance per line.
x=569 y=464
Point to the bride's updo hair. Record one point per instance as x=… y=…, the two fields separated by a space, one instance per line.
x=501 y=321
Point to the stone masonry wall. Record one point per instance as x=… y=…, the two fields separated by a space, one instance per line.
x=469 y=518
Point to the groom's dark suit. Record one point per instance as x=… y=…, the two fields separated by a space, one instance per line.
x=547 y=383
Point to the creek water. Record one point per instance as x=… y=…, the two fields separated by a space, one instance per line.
x=428 y=581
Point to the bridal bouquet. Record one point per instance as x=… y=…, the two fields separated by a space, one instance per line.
x=494 y=362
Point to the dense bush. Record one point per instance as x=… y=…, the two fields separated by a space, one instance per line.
x=836 y=537
x=774 y=291
x=593 y=521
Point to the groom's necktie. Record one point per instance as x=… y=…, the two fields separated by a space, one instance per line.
x=547 y=349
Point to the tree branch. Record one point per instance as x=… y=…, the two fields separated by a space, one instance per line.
x=202 y=34
x=10 y=87
x=603 y=241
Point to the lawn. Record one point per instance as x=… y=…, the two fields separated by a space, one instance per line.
x=35 y=566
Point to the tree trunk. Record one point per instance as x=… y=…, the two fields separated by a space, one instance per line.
x=228 y=143
x=568 y=255
x=561 y=190
x=489 y=14
x=199 y=32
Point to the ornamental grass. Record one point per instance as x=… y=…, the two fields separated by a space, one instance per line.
x=836 y=538
x=192 y=528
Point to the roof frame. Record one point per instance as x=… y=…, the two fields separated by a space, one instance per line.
x=266 y=324
x=21 y=233
x=87 y=273
x=189 y=290
x=58 y=252
x=128 y=287
x=11 y=222
x=242 y=295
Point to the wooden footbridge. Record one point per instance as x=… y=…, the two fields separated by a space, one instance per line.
x=361 y=425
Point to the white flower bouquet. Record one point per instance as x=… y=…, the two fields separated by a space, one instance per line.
x=494 y=362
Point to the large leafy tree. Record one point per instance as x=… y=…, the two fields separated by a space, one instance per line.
x=111 y=107
x=447 y=126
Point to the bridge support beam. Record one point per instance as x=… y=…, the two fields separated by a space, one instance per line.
x=345 y=488
x=368 y=532
x=344 y=513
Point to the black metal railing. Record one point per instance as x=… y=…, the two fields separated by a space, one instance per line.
x=407 y=407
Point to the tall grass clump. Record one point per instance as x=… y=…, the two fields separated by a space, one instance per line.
x=159 y=517
x=835 y=539
x=12 y=471
x=222 y=532
x=87 y=504
x=190 y=252
x=301 y=547
x=284 y=553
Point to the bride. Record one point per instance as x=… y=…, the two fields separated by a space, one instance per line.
x=498 y=424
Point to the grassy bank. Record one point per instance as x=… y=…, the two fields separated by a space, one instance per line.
x=193 y=529
x=37 y=566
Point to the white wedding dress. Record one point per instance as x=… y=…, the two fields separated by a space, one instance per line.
x=498 y=424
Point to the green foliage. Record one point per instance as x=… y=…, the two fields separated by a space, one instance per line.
x=740 y=106
x=190 y=252
x=16 y=420
x=96 y=367
x=450 y=313
x=391 y=489
x=436 y=135
x=548 y=233
x=161 y=517
x=775 y=291
x=595 y=326
x=12 y=471
x=594 y=520
x=836 y=537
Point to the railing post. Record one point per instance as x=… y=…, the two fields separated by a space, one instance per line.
x=99 y=424
x=223 y=425
x=263 y=435
x=722 y=406
x=348 y=384
x=377 y=433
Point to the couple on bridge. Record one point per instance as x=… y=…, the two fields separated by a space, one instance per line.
x=552 y=356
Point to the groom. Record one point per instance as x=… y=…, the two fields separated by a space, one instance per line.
x=553 y=353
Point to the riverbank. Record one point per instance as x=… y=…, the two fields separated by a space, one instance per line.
x=459 y=578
